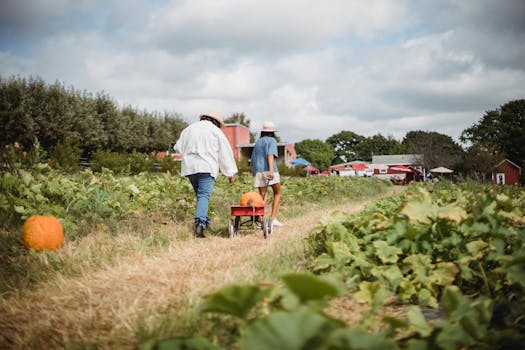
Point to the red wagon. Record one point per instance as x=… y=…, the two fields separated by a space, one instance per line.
x=249 y=217
x=254 y=218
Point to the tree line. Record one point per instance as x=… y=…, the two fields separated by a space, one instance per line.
x=52 y=114
x=32 y=110
x=499 y=134
x=346 y=146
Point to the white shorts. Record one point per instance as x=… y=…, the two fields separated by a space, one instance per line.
x=260 y=179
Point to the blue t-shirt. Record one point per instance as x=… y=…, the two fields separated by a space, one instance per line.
x=263 y=147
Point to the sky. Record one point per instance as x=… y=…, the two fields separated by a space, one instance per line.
x=314 y=68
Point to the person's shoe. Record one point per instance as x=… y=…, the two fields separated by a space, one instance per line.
x=199 y=230
x=276 y=223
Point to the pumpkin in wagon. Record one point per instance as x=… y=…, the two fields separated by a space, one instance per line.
x=43 y=232
x=252 y=199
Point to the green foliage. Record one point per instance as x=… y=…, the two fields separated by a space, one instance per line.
x=183 y=344
x=233 y=300
x=317 y=152
x=378 y=144
x=500 y=132
x=345 y=145
x=349 y=146
x=432 y=247
x=122 y=163
x=52 y=113
x=168 y=164
x=437 y=149
x=14 y=157
x=65 y=156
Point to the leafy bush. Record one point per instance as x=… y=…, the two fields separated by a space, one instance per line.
x=122 y=163
x=14 y=156
x=168 y=164
x=65 y=156
x=291 y=315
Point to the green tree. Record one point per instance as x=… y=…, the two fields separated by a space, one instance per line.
x=501 y=132
x=345 y=146
x=437 y=149
x=32 y=110
x=317 y=152
x=378 y=145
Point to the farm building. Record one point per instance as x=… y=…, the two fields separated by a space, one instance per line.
x=506 y=173
x=239 y=137
x=399 y=166
x=414 y=160
x=354 y=168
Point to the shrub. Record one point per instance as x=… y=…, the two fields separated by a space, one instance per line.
x=65 y=156
x=122 y=163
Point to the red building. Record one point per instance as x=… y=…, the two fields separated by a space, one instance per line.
x=506 y=173
x=239 y=137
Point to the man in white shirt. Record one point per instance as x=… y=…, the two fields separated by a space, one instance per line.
x=205 y=151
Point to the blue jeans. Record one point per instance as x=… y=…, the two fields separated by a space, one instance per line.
x=203 y=186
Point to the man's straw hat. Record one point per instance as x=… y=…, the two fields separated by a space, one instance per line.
x=216 y=115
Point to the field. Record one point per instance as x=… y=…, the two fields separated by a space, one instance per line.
x=358 y=264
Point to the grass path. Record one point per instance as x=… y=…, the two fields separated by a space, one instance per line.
x=103 y=307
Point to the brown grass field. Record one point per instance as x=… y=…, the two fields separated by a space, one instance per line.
x=105 y=307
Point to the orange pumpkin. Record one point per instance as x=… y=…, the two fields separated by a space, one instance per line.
x=252 y=199
x=43 y=232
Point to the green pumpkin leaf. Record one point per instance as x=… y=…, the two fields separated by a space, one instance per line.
x=300 y=329
x=513 y=266
x=452 y=212
x=387 y=253
x=444 y=274
x=416 y=344
x=394 y=276
x=475 y=248
x=309 y=287
x=426 y=298
x=340 y=253
x=323 y=262
x=185 y=344
x=419 y=210
x=407 y=290
x=337 y=230
x=417 y=322
x=451 y=336
x=233 y=300
x=349 y=338
x=371 y=293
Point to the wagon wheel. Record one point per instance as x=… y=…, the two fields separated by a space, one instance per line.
x=237 y=224
x=231 y=228
x=267 y=230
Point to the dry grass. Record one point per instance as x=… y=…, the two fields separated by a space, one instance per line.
x=104 y=307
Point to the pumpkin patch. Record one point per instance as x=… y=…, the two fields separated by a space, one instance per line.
x=43 y=232
x=252 y=199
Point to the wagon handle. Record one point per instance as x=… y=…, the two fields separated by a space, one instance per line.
x=266 y=190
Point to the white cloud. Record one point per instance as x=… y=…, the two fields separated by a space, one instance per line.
x=271 y=26
x=313 y=67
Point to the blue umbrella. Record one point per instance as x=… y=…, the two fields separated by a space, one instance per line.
x=300 y=161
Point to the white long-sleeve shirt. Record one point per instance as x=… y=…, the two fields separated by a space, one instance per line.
x=205 y=149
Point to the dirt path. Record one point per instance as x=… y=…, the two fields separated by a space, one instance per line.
x=104 y=306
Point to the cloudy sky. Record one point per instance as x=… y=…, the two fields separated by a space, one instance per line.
x=313 y=67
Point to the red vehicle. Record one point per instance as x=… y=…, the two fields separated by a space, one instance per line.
x=254 y=218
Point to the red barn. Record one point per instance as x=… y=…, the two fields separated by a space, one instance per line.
x=237 y=135
x=506 y=173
